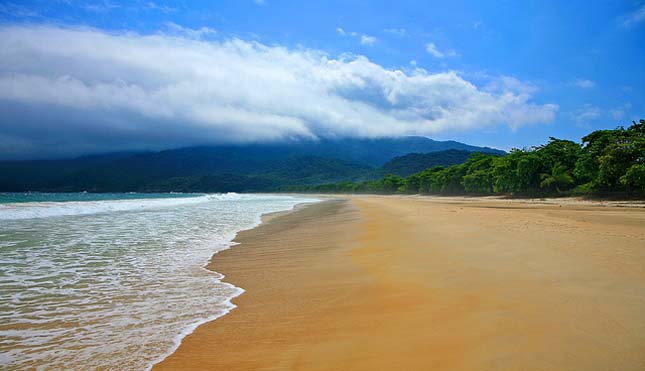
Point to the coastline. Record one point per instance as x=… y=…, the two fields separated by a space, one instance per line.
x=263 y=218
x=270 y=223
x=313 y=274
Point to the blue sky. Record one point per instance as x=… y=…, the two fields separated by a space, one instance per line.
x=545 y=68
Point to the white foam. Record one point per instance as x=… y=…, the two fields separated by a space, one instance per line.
x=120 y=289
x=30 y=210
x=237 y=290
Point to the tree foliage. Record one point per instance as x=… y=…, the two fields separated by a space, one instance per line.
x=607 y=162
x=415 y=162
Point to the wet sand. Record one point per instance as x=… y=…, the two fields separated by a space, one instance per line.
x=415 y=283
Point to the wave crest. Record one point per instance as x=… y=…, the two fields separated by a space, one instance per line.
x=30 y=210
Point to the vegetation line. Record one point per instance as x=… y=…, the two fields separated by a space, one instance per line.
x=607 y=163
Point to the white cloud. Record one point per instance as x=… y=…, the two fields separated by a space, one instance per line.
x=510 y=84
x=396 y=31
x=362 y=38
x=584 y=83
x=435 y=52
x=103 y=6
x=634 y=18
x=83 y=88
x=368 y=40
x=200 y=33
x=162 y=8
x=259 y=2
x=432 y=49
x=342 y=32
x=619 y=112
x=585 y=114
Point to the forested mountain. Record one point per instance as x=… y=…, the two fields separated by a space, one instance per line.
x=294 y=171
x=606 y=163
x=250 y=167
x=375 y=152
x=414 y=162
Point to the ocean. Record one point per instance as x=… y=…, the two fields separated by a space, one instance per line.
x=114 y=281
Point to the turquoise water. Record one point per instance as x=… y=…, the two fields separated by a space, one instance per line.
x=114 y=282
x=15 y=197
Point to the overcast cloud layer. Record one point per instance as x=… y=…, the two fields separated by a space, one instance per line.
x=68 y=91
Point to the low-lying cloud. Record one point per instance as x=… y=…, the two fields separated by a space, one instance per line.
x=65 y=91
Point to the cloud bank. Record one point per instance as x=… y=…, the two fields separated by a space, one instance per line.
x=66 y=91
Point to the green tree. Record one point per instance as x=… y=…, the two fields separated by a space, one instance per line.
x=430 y=181
x=392 y=183
x=608 y=155
x=504 y=173
x=606 y=161
x=451 y=179
x=634 y=178
x=559 y=178
x=479 y=174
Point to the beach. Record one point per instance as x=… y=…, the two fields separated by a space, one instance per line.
x=371 y=282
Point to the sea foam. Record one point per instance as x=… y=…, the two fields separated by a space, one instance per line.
x=29 y=210
x=115 y=284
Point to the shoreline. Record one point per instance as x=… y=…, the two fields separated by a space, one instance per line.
x=264 y=218
x=212 y=265
x=338 y=244
x=563 y=201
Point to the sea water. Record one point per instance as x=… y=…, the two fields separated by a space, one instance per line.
x=114 y=281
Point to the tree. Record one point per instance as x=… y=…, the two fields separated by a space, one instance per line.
x=607 y=156
x=529 y=168
x=450 y=179
x=559 y=178
x=392 y=183
x=430 y=181
x=634 y=178
x=479 y=174
x=606 y=161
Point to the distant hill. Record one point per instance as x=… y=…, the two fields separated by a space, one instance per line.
x=415 y=162
x=249 y=167
x=316 y=170
x=375 y=152
x=294 y=171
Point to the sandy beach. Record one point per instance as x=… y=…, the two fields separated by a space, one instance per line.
x=414 y=283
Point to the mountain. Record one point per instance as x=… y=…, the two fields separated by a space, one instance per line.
x=415 y=162
x=247 y=167
x=317 y=170
x=43 y=174
x=375 y=152
x=281 y=174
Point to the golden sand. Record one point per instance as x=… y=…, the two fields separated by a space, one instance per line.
x=381 y=283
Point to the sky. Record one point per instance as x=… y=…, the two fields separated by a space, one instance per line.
x=82 y=77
